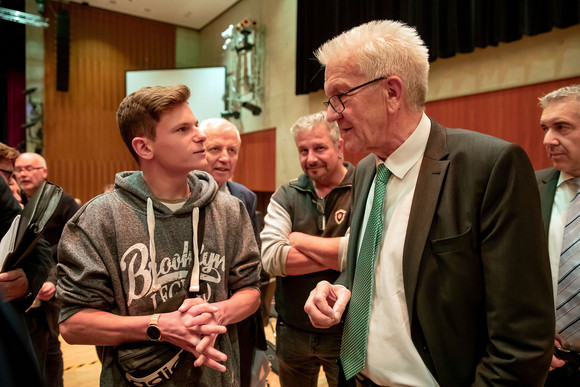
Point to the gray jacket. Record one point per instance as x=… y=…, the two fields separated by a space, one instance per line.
x=125 y=252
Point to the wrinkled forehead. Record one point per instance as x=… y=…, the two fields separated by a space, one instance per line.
x=226 y=136
x=340 y=74
x=28 y=160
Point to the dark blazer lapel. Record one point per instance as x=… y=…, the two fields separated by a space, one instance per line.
x=547 y=187
x=427 y=191
x=363 y=179
x=234 y=190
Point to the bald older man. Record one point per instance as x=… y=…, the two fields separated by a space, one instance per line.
x=31 y=172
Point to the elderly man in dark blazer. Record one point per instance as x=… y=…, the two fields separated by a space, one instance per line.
x=448 y=275
x=559 y=190
x=222 y=148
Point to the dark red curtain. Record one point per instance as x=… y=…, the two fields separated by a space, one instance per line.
x=12 y=79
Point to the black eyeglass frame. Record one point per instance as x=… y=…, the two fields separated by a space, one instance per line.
x=9 y=173
x=26 y=169
x=339 y=95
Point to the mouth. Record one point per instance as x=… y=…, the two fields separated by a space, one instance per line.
x=200 y=152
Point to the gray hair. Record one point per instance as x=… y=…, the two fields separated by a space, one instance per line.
x=571 y=91
x=308 y=122
x=385 y=48
x=218 y=123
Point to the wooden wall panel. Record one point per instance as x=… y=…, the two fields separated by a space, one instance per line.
x=82 y=143
x=510 y=114
x=257 y=161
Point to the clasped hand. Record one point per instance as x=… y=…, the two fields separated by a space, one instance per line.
x=326 y=304
x=194 y=328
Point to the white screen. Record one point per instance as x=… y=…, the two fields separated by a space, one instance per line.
x=207 y=85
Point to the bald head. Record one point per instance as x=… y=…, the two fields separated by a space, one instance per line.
x=222 y=148
x=30 y=172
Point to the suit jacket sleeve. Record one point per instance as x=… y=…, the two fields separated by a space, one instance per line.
x=517 y=282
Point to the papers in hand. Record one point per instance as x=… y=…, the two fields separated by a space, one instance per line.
x=27 y=227
x=8 y=241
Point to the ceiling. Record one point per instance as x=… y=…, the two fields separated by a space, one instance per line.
x=194 y=14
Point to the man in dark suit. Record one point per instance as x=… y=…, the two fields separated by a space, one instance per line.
x=450 y=283
x=18 y=287
x=222 y=149
x=559 y=191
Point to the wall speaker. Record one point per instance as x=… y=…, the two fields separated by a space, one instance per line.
x=62 y=49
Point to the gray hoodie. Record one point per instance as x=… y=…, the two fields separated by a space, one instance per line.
x=126 y=253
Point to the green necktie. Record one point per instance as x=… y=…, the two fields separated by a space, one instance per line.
x=353 y=348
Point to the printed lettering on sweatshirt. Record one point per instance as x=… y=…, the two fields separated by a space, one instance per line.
x=170 y=272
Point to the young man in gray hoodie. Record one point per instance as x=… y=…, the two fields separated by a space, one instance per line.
x=127 y=252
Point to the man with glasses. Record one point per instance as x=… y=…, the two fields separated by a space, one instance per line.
x=303 y=234
x=42 y=319
x=19 y=286
x=7 y=157
x=448 y=279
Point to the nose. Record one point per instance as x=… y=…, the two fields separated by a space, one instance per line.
x=311 y=158
x=331 y=115
x=199 y=136
x=550 y=138
x=224 y=155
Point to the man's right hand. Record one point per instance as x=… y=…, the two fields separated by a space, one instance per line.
x=193 y=327
x=13 y=285
x=326 y=304
x=560 y=343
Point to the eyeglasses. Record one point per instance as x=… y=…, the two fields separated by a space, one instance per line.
x=8 y=174
x=336 y=102
x=28 y=168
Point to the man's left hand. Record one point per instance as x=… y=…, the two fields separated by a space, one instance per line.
x=46 y=292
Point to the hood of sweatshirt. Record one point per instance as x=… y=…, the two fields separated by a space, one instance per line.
x=133 y=189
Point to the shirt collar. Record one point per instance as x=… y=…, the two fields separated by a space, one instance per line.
x=404 y=157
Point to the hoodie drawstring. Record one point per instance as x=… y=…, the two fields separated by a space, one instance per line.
x=152 y=251
x=194 y=284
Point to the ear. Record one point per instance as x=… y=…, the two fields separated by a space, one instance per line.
x=44 y=173
x=394 y=90
x=143 y=147
x=340 y=148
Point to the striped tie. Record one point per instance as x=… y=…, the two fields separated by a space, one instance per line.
x=353 y=348
x=568 y=298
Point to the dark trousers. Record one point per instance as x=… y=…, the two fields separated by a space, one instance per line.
x=301 y=354
x=46 y=344
x=567 y=375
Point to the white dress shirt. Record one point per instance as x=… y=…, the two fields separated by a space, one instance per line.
x=392 y=359
x=562 y=199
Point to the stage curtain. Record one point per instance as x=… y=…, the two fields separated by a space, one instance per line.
x=448 y=27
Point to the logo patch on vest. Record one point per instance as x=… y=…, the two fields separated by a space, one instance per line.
x=339 y=216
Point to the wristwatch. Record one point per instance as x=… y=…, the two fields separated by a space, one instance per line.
x=153 y=331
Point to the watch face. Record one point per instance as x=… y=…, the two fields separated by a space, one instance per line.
x=153 y=333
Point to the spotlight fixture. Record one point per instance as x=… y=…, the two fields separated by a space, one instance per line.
x=230 y=114
x=256 y=110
